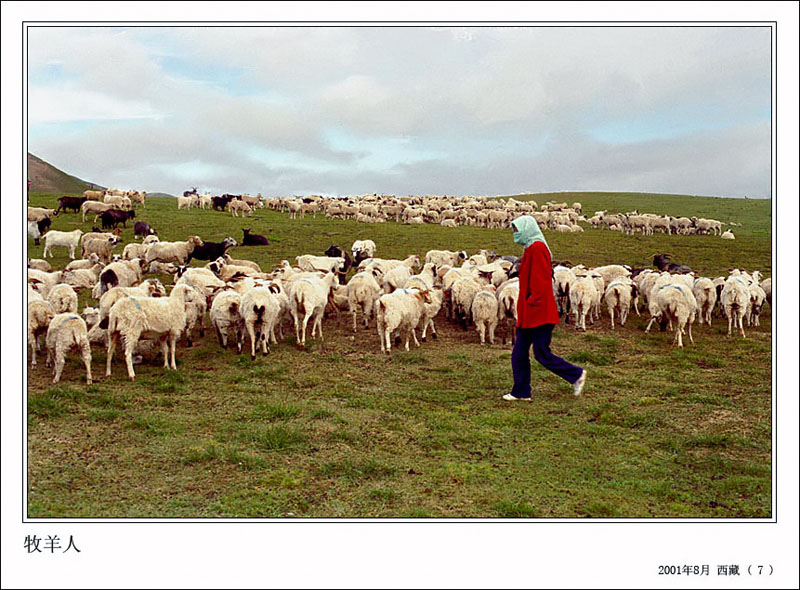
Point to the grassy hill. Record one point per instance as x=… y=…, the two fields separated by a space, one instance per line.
x=339 y=430
x=45 y=177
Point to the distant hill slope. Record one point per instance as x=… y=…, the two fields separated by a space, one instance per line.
x=45 y=177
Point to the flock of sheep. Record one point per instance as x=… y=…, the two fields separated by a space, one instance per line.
x=247 y=305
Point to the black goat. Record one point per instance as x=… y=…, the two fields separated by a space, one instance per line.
x=113 y=217
x=191 y=192
x=253 y=239
x=142 y=228
x=662 y=263
x=219 y=203
x=336 y=252
x=213 y=250
x=73 y=203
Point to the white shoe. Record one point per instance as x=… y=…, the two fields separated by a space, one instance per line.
x=511 y=398
x=578 y=385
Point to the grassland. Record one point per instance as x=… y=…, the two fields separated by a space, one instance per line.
x=339 y=430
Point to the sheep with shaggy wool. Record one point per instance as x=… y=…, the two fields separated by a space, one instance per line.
x=44 y=281
x=180 y=252
x=363 y=291
x=400 y=311
x=484 y=312
x=679 y=306
x=63 y=299
x=582 y=297
x=618 y=296
x=67 y=331
x=226 y=319
x=307 y=299
x=430 y=309
x=40 y=313
x=259 y=310
x=507 y=296
x=39 y=264
x=132 y=318
x=706 y=296
x=735 y=301
x=462 y=293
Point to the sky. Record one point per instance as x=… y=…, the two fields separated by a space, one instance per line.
x=405 y=110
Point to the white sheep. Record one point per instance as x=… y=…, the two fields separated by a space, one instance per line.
x=766 y=284
x=400 y=310
x=225 y=317
x=66 y=239
x=157 y=267
x=362 y=292
x=424 y=280
x=311 y=263
x=728 y=235
x=307 y=299
x=90 y=262
x=239 y=205
x=678 y=305
x=178 y=252
x=363 y=248
x=582 y=296
x=40 y=313
x=563 y=279
x=757 y=298
x=44 y=281
x=618 y=296
x=159 y=317
x=396 y=278
x=39 y=264
x=66 y=331
x=462 y=293
x=735 y=300
x=196 y=308
x=507 y=297
x=102 y=246
x=200 y=278
x=442 y=257
x=430 y=310
x=63 y=299
x=706 y=295
x=259 y=310
x=484 y=312
x=148 y=288
x=82 y=278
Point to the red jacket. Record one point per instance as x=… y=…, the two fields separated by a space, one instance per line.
x=536 y=304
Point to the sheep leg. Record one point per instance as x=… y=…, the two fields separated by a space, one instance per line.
x=110 y=352
x=58 y=364
x=33 y=349
x=222 y=341
x=172 y=342
x=690 y=332
x=481 y=330
x=730 y=318
x=305 y=325
x=741 y=326
x=355 y=320
x=491 y=333
x=86 y=352
x=414 y=335
x=252 y=333
x=130 y=346
x=611 y=313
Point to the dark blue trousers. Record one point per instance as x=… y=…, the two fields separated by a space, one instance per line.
x=539 y=337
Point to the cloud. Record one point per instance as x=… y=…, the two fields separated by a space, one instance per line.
x=450 y=110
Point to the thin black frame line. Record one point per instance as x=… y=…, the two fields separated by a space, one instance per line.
x=624 y=520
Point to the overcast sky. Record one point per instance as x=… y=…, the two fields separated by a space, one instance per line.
x=394 y=110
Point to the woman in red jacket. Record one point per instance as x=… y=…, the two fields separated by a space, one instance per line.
x=537 y=314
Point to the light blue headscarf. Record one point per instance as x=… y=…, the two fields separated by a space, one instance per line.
x=526 y=232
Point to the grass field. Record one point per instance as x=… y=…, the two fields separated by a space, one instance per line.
x=340 y=430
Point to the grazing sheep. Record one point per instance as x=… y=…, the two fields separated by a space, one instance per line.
x=462 y=294
x=735 y=300
x=103 y=247
x=162 y=268
x=362 y=249
x=39 y=213
x=766 y=284
x=63 y=299
x=563 y=279
x=242 y=262
x=163 y=318
x=120 y=274
x=582 y=297
x=94 y=208
x=401 y=310
x=396 y=278
x=39 y=264
x=307 y=299
x=44 y=281
x=679 y=306
x=239 y=205
x=706 y=296
x=362 y=293
x=442 y=257
x=148 y=288
x=484 y=312
x=40 y=313
x=184 y=202
x=618 y=295
x=67 y=239
x=259 y=310
x=507 y=296
x=196 y=308
x=311 y=263
x=67 y=331
x=199 y=278
x=757 y=298
x=180 y=252
x=225 y=318
x=728 y=235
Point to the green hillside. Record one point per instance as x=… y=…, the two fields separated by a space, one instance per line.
x=45 y=177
